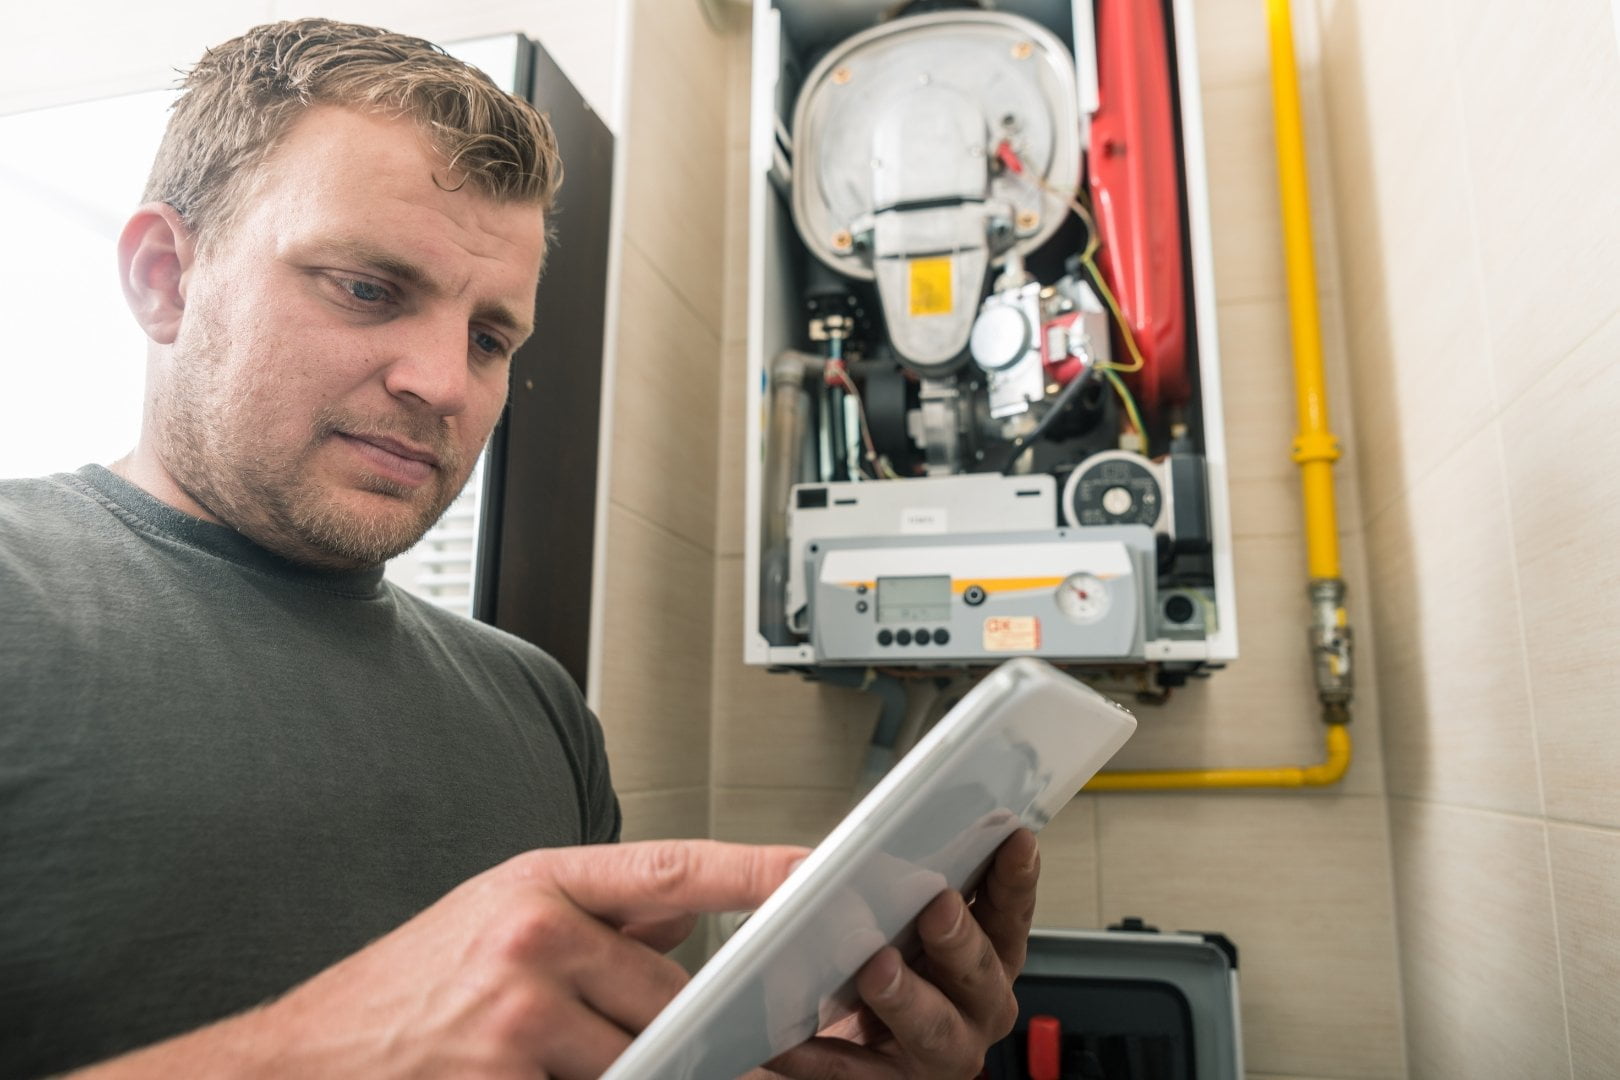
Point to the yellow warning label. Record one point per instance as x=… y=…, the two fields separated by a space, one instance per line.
x=1012 y=633
x=931 y=287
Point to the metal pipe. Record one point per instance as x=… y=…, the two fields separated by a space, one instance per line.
x=1323 y=774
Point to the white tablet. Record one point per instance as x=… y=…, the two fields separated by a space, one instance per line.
x=1011 y=753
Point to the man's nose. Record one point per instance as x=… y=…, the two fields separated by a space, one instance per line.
x=431 y=365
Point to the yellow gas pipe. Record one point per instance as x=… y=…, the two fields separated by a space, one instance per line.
x=1315 y=451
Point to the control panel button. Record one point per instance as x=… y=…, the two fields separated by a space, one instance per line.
x=885 y=637
x=923 y=637
x=903 y=637
x=942 y=636
x=973 y=595
x=860 y=606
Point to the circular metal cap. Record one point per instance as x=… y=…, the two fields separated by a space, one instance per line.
x=1000 y=337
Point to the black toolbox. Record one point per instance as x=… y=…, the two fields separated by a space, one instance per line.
x=1128 y=1003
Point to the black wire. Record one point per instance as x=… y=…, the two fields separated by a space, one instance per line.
x=1060 y=404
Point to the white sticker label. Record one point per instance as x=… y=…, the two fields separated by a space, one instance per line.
x=1012 y=633
x=922 y=519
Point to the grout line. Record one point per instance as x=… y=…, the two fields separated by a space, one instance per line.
x=716 y=332
x=1513 y=815
x=1574 y=349
x=696 y=545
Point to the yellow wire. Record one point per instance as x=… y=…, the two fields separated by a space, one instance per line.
x=1086 y=259
x=1129 y=403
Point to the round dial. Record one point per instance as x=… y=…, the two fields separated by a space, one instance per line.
x=1083 y=597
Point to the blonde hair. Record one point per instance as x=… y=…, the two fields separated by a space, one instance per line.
x=244 y=95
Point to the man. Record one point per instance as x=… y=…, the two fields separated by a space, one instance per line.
x=262 y=813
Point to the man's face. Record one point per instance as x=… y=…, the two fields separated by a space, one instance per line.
x=345 y=344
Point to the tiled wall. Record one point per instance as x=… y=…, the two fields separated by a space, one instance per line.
x=657 y=645
x=1475 y=149
x=1300 y=882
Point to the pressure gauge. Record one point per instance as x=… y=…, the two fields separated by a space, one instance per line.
x=1083 y=597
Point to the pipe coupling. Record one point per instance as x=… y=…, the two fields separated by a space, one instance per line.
x=1331 y=648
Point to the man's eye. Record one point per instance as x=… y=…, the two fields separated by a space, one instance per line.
x=368 y=291
x=488 y=344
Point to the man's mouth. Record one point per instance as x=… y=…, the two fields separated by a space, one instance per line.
x=393 y=458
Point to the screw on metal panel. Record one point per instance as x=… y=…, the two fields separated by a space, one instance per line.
x=842 y=240
x=842 y=75
x=1023 y=50
x=1028 y=219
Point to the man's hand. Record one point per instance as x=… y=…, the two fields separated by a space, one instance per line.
x=938 y=1019
x=544 y=966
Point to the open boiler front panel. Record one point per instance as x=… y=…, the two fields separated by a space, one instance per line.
x=984 y=411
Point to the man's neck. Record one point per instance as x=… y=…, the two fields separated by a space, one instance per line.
x=145 y=470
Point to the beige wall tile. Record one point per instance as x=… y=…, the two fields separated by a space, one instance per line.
x=1586 y=892
x=664 y=407
x=1413 y=298
x=1233 y=46
x=732 y=465
x=1456 y=706
x=1257 y=390
x=1068 y=890
x=1478 y=959
x=1560 y=443
x=657 y=647
x=657 y=815
x=739 y=59
x=734 y=299
x=1261 y=710
x=1244 y=215
x=777 y=730
x=1302 y=886
x=1539 y=98
x=1265 y=506
x=675 y=152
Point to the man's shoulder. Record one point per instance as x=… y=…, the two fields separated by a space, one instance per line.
x=493 y=645
x=33 y=492
x=40 y=513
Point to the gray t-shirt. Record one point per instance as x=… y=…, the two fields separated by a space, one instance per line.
x=221 y=772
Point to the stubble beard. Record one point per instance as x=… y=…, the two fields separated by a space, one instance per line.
x=208 y=437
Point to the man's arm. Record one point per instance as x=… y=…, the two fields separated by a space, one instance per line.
x=544 y=965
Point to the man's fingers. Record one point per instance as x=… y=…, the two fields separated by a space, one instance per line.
x=577 y=1043
x=622 y=979
x=626 y=884
x=663 y=934
x=1005 y=902
x=931 y=1032
x=964 y=964
x=825 y=1059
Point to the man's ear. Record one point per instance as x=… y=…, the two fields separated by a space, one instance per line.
x=155 y=252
